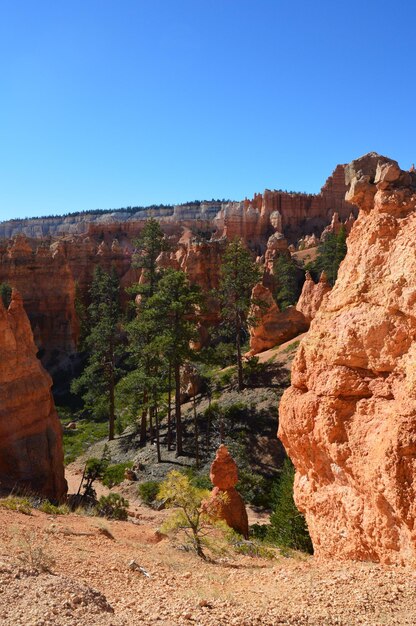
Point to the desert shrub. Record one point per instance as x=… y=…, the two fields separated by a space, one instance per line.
x=33 y=551
x=200 y=481
x=248 y=547
x=252 y=369
x=112 y=506
x=224 y=378
x=292 y=347
x=254 y=488
x=114 y=474
x=15 y=503
x=192 y=516
x=258 y=531
x=235 y=411
x=287 y=525
x=52 y=509
x=148 y=491
x=77 y=441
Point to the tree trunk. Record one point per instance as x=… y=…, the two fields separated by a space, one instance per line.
x=159 y=458
x=208 y=423
x=196 y=434
x=111 y=417
x=239 y=361
x=143 y=424
x=178 y=416
x=169 y=407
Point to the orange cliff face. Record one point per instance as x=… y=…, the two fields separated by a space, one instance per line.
x=31 y=454
x=348 y=421
x=47 y=287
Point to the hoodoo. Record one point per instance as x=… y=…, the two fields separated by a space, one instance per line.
x=348 y=421
x=31 y=456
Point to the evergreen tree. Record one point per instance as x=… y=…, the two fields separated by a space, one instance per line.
x=103 y=344
x=331 y=251
x=5 y=294
x=287 y=525
x=149 y=245
x=238 y=275
x=285 y=272
x=171 y=311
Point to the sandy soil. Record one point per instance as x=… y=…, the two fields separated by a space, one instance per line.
x=92 y=584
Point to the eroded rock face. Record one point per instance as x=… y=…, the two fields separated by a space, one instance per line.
x=224 y=477
x=349 y=419
x=31 y=455
x=272 y=326
x=312 y=295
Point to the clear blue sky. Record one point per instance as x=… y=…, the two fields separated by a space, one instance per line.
x=105 y=104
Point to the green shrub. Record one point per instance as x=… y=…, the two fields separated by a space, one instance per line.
x=200 y=481
x=148 y=491
x=292 y=346
x=235 y=411
x=51 y=509
x=14 y=503
x=248 y=547
x=254 y=488
x=287 y=525
x=112 y=506
x=114 y=474
x=259 y=531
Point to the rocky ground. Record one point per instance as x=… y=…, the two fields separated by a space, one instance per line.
x=91 y=581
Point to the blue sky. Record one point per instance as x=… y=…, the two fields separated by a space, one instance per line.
x=106 y=104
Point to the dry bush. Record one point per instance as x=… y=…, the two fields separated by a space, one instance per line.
x=33 y=552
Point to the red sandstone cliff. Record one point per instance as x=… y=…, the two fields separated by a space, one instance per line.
x=349 y=419
x=31 y=455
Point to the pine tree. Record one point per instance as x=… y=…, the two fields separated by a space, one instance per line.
x=285 y=272
x=238 y=275
x=331 y=251
x=5 y=294
x=287 y=525
x=172 y=311
x=149 y=245
x=103 y=344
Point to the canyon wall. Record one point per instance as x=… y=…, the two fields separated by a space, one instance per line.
x=52 y=260
x=348 y=421
x=31 y=455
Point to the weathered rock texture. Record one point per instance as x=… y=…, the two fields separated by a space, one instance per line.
x=224 y=477
x=31 y=455
x=272 y=326
x=312 y=295
x=349 y=419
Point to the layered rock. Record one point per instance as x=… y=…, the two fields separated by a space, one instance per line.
x=272 y=326
x=31 y=455
x=225 y=499
x=47 y=286
x=312 y=295
x=349 y=419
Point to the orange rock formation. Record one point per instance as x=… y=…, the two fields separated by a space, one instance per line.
x=272 y=326
x=31 y=455
x=349 y=419
x=312 y=295
x=224 y=477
